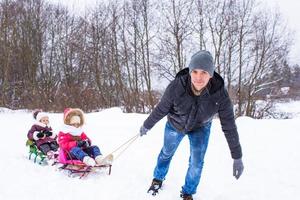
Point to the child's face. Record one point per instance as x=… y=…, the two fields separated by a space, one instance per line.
x=45 y=120
x=77 y=125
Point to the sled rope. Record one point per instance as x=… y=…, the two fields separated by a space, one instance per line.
x=125 y=146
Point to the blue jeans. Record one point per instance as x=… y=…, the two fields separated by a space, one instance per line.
x=80 y=153
x=198 y=145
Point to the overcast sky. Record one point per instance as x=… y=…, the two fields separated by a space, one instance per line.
x=289 y=8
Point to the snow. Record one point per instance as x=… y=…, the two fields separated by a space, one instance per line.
x=292 y=108
x=270 y=148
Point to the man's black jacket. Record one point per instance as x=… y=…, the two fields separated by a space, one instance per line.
x=187 y=112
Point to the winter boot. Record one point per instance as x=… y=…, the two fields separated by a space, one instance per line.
x=107 y=160
x=155 y=186
x=186 y=196
x=89 y=161
x=99 y=159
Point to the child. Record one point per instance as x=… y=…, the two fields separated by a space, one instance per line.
x=41 y=133
x=72 y=139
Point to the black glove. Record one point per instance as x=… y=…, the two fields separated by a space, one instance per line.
x=238 y=168
x=40 y=135
x=83 y=143
x=48 y=133
x=143 y=130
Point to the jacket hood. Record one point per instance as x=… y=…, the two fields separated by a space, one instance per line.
x=70 y=112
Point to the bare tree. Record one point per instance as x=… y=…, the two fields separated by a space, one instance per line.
x=51 y=58
x=97 y=52
x=8 y=21
x=269 y=47
x=145 y=45
x=218 y=24
x=200 y=25
x=174 y=32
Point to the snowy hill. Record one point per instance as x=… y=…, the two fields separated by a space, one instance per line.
x=270 y=148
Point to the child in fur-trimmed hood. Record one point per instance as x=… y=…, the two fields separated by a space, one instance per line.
x=41 y=133
x=73 y=139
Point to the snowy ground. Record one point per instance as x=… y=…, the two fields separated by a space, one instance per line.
x=270 y=148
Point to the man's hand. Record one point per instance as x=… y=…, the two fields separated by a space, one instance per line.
x=143 y=130
x=238 y=168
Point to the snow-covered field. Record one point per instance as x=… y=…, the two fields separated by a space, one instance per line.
x=270 y=148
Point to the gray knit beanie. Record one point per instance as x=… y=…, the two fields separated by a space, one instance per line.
x=202 y=60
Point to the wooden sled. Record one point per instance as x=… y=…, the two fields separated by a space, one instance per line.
x=77 y=167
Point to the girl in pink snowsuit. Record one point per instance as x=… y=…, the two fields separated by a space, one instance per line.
x=72 y=139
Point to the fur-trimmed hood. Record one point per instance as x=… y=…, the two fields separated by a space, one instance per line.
x=70 y=112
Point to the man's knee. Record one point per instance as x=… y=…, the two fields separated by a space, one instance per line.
x=167 y=153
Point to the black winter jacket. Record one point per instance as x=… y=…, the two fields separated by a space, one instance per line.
x=187 y=112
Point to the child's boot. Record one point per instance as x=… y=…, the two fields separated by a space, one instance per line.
x=89 y=161
x=99 y=159
x=107 y=160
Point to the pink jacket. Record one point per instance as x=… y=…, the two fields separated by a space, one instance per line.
x=68 y=137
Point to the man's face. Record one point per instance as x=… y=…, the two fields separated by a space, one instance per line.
x=199 y=78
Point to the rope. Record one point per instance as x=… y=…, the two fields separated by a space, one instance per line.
x=125 y=145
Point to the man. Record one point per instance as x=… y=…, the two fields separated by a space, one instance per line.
x=191 y=100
